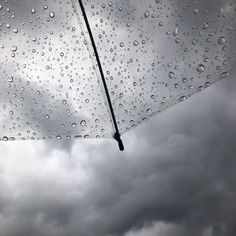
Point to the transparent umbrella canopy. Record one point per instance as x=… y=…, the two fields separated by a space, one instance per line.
x=94 y=69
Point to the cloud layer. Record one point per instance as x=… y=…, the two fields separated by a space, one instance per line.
x=176 y=177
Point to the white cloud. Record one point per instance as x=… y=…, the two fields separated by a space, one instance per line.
x=157 y=229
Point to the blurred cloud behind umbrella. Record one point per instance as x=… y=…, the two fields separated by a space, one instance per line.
x=91 y=69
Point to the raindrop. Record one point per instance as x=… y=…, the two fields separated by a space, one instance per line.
x=5 y=138
x=121 y=95
x=122 y=44
x=171 y=75
x=224 y=75
x=176 y=85
x=200 y=68
x=183 y=98
x=83 y=123
x=221 y=40
x=177 y=40
x=73 y=125
x=135 y=43
x=194 y=41
x=205 y=25
x=64 y=102
x=200 y=88
x=146 y=14
x=196 y=11
x=51 y=14
x=175 y=32
x=10 y=79
x=207 y=84
x=14 y=49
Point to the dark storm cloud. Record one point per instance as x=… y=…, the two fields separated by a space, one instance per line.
x=183 y=174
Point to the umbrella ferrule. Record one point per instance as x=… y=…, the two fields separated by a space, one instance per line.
x=117 y=137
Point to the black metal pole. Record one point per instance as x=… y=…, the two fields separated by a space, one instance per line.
x=116 y=136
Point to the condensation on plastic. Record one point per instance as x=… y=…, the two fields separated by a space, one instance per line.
x=156 y=53
x=48 y=86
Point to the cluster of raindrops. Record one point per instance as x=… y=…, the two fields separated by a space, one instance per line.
x=48 y=88
x=154 y=54
x=157 y=53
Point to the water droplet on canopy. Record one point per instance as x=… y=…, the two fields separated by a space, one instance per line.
x=51 y=14
x=10 y=79
x=221 y=40
x=146 y=14
x=183 y=98
x=14 y=48
x=224 y=75
x=83 y=123
x=5 y=138
x=74 y=125
x=200 y=68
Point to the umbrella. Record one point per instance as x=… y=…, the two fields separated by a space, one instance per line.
x=93 y=69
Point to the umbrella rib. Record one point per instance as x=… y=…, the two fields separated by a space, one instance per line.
x=117 y=135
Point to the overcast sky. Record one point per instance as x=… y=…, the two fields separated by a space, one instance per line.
x=176 y=177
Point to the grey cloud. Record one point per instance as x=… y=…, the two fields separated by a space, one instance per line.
x=177 y=169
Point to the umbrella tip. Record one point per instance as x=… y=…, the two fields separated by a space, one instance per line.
x=118 y=139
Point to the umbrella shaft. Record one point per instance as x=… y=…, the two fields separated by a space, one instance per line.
x=117 y=133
